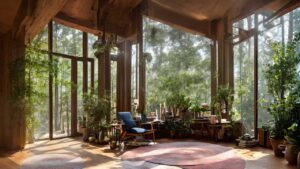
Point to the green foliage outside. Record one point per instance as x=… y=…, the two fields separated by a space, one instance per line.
x=180 y=66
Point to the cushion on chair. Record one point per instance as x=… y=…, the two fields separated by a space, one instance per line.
x=137 y=130
x=127 y=120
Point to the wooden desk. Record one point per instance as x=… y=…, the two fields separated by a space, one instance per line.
x=216 y=128
x=200 y=127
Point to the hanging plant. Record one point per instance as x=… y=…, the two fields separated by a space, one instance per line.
x=147 y=57
x=101 y=46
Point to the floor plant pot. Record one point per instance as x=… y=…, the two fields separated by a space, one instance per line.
x=291 y=153
x=85 y=135
x=275 y=143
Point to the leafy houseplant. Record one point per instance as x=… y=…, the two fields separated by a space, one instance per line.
x=101 y=46
x=223 y=100
x=281 y=75
x=96 y=110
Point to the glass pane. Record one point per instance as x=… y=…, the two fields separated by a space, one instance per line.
x=113 y=88
x=134 y=69
x=179 y=64
x=39 y=80
x=42 y=39
x=244 y=84
x=91 y=39
x=79 y=87
x=265 y=53
x=67 y=40
x=62 y=98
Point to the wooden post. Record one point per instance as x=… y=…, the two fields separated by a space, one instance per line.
x=50 y=49
x=74 y=98
x=127 y=71
x=92 y=76
x=12 y=113
x=142 y=67
x=85 y=63
x=214 y=78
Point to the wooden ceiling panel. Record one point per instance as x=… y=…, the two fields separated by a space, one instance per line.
x=79 y=9
x=8 y=11
x=199 y=9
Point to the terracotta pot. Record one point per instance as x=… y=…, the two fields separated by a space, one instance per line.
x=298 y=161
x=291 y=153
x=275 y=143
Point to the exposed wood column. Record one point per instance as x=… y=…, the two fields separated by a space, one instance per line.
x=255 y=76
x=74 y=72
x=142 y=66
x=104 y=71
x=12 y=114
x=50 y=49
x=214 y=71
x=93 y=76
x=120 y=78
x=85 y=63
x=225 y=52
x=124 y=77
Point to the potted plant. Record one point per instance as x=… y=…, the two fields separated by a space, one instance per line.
x=96 y=109
x=281 y=75
x=278 y=128
x=222 y=102
x=293 y=146
x=264 y=136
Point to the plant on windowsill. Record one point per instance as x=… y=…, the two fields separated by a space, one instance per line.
x=281 y=75
x=222 y=102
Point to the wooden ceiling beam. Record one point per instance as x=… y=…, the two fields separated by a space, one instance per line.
x=291 y=5
x=88 y=26
x=34 y=15
x=247 y=8
x=85 y=26
x=157 y=12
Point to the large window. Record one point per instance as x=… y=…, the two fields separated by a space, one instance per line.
x=67 y=73
x=67 y=40
x=179 y=64
x=281 y=30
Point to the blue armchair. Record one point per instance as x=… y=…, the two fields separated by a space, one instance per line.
x=130 y=128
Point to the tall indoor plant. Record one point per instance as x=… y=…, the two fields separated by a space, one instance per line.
x=96 y=109
x=281 y=75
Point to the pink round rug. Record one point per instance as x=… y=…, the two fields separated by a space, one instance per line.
x=53 y=161
x=188 y=155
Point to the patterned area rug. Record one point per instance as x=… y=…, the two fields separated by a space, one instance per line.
x=188 y=155
x=53 y=161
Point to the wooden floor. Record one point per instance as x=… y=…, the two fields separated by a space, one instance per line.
x=101 y=157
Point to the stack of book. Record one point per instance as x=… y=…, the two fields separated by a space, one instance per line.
x=247 y=143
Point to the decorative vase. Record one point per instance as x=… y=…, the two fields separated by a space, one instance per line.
x=275 y=143
x=291 y=153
